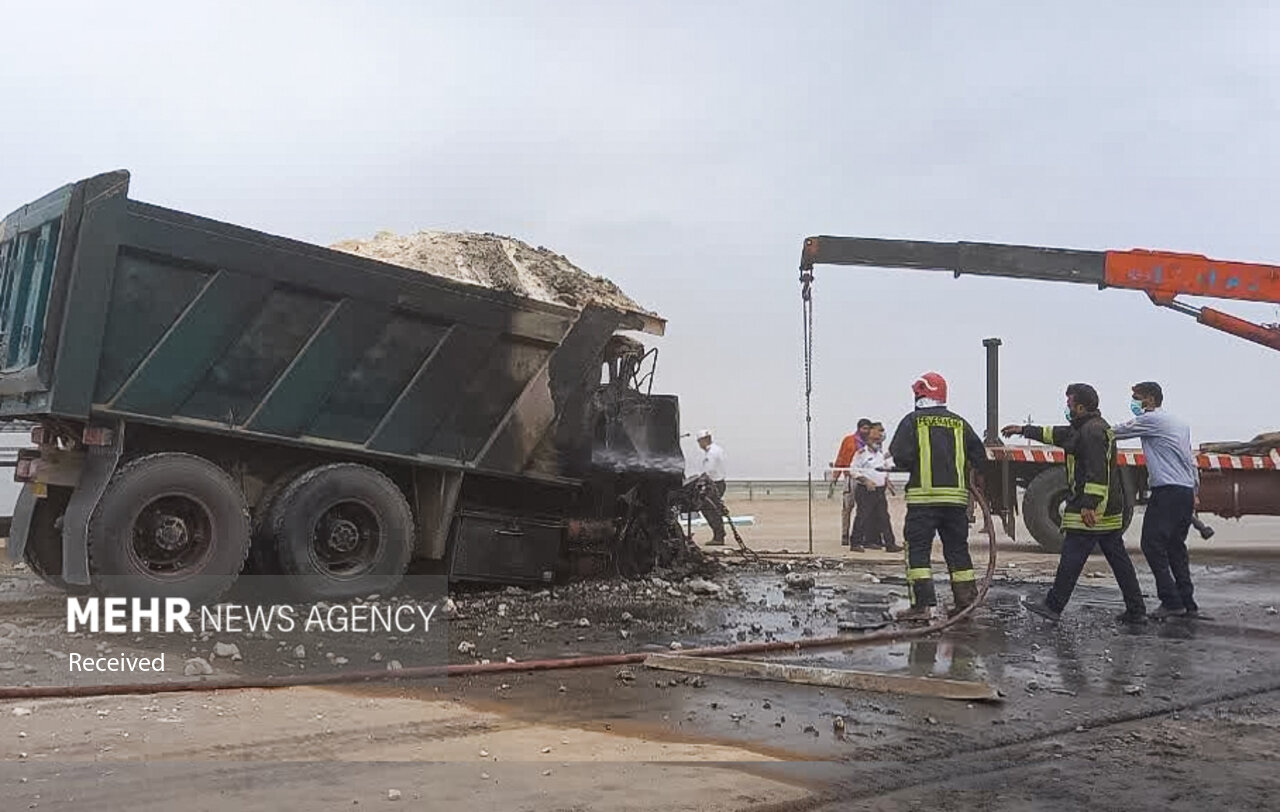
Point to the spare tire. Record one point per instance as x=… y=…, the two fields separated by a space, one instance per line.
x=168 y=525
x=1042 y=504
x=342 y=531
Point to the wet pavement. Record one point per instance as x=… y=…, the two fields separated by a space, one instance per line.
x=1133 y=706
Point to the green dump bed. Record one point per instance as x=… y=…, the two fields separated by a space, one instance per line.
x=112 y=309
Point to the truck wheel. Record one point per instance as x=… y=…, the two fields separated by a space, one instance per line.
x=1042 y=504
x=43 y=552
x=342 y=531
x=1042 y=507
x=169 y=525
x=262 y=552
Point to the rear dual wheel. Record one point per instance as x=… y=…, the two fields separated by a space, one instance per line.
x=341 y=531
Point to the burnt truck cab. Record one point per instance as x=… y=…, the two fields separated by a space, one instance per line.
x=209 y=399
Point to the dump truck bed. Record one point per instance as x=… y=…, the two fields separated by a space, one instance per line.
x=113 y=309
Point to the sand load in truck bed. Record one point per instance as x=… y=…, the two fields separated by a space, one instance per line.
x=496 y=262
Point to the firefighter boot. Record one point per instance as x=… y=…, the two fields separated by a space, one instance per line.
x=965 y=593
x=923 y=599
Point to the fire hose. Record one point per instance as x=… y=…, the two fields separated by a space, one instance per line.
x=462 y=670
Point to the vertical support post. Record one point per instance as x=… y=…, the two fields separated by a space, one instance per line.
x=993 y=390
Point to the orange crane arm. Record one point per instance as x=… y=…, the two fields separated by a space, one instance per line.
x=1162 y=275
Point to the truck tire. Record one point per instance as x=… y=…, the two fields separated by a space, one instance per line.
x=262 y=558
x=1042 y=507
x=342 y=531
x=168 y=525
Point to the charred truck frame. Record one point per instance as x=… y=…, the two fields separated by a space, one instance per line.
x=208 y=398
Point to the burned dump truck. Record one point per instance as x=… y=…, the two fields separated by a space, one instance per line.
x=208 y=399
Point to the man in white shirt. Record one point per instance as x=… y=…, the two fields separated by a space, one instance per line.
x=871 y=525
x=714 y=469
x=1174 y=478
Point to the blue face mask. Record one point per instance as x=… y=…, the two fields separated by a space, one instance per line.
x=1066 y=412
x=1135 y=406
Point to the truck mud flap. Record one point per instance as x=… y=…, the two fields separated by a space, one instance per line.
x=99 y=466
x=504 y=549
x=23 y=510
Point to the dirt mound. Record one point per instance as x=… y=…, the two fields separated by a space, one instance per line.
x=496 y=262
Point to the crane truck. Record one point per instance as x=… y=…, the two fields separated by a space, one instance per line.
x=1242 y=483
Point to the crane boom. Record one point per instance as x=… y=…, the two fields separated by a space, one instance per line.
x=1162 y=275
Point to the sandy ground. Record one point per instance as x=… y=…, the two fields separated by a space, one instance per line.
x=783 y=524
x=1178 y=715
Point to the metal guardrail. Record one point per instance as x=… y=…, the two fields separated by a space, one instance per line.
x=753 y=490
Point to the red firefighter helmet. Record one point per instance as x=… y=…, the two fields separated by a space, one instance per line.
x=930 y=385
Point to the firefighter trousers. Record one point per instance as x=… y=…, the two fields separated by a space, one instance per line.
x=923 y=522
x=1076 y=547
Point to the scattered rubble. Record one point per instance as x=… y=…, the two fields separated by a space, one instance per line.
x=197 y=667
x=798 y=581
x=229 y=651
x=701 y=586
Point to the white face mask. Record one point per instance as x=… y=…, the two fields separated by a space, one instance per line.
x=928 y=403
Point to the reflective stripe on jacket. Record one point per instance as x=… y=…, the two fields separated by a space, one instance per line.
x=1090 y=446
x=936 y=446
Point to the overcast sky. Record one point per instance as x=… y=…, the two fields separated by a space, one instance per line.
x=686 y=149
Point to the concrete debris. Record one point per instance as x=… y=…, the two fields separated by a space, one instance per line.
x=701 y=586
x=449 y=607
x=466 y=647
x=676 y=646
x=393 y=795
x=1271 y=610
x=394 y=665
x=798 y=581
x=22 y=711
x=1133 y=690
x=496 y=262
x=197 y=667
x=229 y=651
x=340 y=661
x=583 y=622
x=376 y=657
x=624 y=634
x=300 y=652
x=625 y=675
x=502 y=610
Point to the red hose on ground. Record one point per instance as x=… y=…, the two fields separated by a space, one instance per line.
x=589 y=661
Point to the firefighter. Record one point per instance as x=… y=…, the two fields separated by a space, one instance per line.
x=1094 y=513
x=940 y=449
